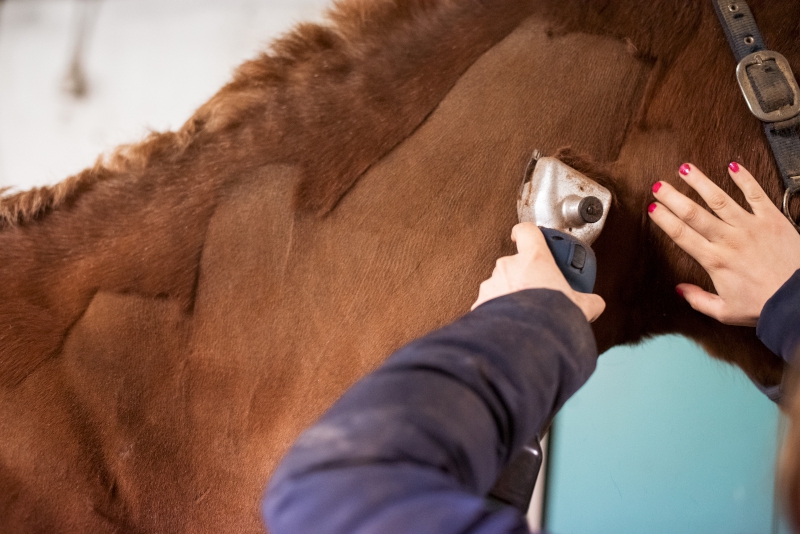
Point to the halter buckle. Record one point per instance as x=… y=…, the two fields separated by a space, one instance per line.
x=787 y=196
x=749 y=91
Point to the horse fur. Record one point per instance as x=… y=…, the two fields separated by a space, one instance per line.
x=172 y=317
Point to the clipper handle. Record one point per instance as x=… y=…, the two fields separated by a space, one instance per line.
x=517 y=480
x=574 y=258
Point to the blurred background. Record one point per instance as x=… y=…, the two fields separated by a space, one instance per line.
x=79 y=77
x=661 y=440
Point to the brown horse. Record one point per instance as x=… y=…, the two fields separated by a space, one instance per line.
x=173 y=317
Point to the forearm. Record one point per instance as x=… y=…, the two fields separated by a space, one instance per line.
x=431 y=429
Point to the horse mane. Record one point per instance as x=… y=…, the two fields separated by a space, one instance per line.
x=335 y=97
x=26 y=206
x=350 y=80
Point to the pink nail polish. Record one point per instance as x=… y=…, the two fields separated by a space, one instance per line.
x=685 y=169
x=656 y=187
x=652 y=207
x=679 y=291
x=733 y=166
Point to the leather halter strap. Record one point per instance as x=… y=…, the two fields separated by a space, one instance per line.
x=769 y=88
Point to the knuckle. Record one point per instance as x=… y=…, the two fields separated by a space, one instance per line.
x=713 y=261
x=777 y=224
x=717 y=202
x=731 y=241
x=540 y=253
x=677 y=232
x=504 y=263
x=756 y=194
x=691 y=214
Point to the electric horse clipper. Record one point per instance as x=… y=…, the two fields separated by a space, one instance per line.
x=571 y=210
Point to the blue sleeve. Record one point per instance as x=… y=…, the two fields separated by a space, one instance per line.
x=779 y=324
x=415 y=446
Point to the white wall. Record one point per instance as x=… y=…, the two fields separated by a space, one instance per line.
x=149 y=63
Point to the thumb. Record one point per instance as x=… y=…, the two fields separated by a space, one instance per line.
x=590 y=304
x=701 y=300
x=528 y=237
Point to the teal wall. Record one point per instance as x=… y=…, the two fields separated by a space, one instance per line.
x=663 y=439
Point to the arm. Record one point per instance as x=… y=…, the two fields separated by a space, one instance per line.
x=416 y=445
x=779 y=324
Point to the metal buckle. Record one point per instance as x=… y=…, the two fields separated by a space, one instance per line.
x=782 y=114
x=787 y=196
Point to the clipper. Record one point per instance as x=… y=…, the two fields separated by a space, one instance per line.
x=571 y=210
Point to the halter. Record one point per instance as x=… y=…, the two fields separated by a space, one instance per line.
x=770 y=90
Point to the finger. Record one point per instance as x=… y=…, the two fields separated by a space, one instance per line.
x=753 y=193
x=716 y=199
x=681 y=233
x=592 y=305
x=528 y=237
x=479 y=300
x=703 y=301
x=689 y=211
x=487 y=288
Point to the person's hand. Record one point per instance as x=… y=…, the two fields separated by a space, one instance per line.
x=749 y=256
x=534 y=268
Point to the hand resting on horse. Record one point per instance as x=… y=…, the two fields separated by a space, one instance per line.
x=533 y=267
x=749 y=256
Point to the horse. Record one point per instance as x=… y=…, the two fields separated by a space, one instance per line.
x=174 y=316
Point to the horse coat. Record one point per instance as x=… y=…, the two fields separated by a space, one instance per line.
x=173 y=317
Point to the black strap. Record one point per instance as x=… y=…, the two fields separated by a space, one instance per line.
x=738 y=22
x=770 y=86
x=773 y=91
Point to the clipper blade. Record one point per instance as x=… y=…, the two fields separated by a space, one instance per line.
x=559 y=197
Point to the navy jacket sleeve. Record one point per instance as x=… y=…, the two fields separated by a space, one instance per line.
x=414 y=446
x=779 y=323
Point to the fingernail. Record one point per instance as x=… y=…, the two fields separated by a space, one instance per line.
x=652 y=207
x=733 y=166
x=679 y=291
x=656 y=187
x=685 y=169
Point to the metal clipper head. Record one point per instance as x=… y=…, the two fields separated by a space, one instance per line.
x=557 y=196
